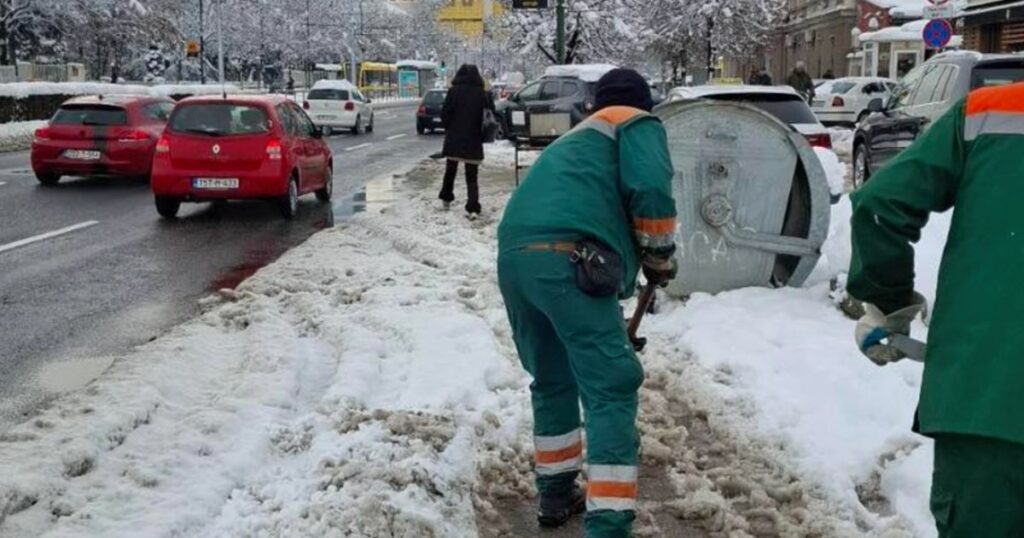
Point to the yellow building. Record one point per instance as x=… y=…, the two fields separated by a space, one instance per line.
x=467 y=16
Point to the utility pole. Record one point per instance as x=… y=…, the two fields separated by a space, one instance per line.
x=560 y=31
x=711 y=54
x=220 y=44
x=306 y=67
x=202 y=44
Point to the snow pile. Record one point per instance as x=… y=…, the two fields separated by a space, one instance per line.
x=20 y=90
x=163 y=90
x=16 y=136
x=842 y=142
x=835 y=171
x=786 y=363
x=361 y=386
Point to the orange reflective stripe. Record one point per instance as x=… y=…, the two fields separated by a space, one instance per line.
x=621 y=490
x=617 y=115
x=655 y=226
x=996 y=99
x=555 y=456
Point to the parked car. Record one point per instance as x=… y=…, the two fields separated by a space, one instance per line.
x=782 y=102
x=845 y=100
x=240 y=147
x=338 y=105
x=428 y=115
x=100 y=136
x=563 y=88
x=923 y=95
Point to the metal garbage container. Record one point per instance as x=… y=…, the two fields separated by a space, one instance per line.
x=752 y=197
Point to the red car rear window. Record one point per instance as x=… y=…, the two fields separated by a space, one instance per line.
x=219 y=119
x=90 y=115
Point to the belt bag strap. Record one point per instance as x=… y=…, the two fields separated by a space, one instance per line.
x=599 y=269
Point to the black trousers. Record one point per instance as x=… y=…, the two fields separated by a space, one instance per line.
x=472 y=185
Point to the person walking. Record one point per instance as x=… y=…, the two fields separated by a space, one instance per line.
x=801 y=81
x=759 y=77
x=968 y=160
x=462 y=117
x=595 y=208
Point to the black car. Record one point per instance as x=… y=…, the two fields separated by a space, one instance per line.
x=924 y=95
x=428 y=115
x=570 y=94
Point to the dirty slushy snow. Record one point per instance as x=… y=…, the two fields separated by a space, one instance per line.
x=366 y=385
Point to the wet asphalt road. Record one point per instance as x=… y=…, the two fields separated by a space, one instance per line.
x=126 y=276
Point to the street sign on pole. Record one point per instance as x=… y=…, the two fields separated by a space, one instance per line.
x=939 y=11
x=937 y=33
x=529 y=4
x=192 y=48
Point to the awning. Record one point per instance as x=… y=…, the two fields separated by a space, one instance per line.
x=993 y=14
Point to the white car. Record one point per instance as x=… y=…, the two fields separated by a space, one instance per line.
x=782 y=102
x=338 y=105
x=845 y=100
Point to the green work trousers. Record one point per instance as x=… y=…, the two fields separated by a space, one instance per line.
x=575 y=347
x=978 y=487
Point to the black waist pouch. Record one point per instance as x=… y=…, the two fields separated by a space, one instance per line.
x=599 y=269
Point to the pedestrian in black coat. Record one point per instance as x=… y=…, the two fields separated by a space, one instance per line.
x=463 y=116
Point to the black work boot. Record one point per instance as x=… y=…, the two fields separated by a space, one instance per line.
x=557 y=507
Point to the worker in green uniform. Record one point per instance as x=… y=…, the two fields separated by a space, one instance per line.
x=596 y=207
x=969 y=160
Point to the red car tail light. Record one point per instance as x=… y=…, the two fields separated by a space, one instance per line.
x=163 y=145
x=305 y=105
x=274 y=149
x=820 y=140
x=350 y=106
x=134 y=136
x=838 y=101
x=42 y=134
x=422 y=111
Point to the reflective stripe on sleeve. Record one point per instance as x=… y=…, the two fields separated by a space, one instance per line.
x=998 y=123
x=611 y=487
x=558 y=454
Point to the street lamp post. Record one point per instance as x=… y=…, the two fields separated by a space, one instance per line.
x=560 y=31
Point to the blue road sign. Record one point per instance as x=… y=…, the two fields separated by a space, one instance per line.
x=937 y=33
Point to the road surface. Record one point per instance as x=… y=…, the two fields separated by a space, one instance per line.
x=88 y=269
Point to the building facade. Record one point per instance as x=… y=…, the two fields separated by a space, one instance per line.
x=993 y=25
x=816 y=32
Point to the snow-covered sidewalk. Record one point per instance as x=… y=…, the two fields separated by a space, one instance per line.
x=366 y=385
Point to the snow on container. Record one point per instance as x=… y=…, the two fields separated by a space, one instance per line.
x=752 y=197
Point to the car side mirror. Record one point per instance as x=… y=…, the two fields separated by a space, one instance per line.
x=876 y=106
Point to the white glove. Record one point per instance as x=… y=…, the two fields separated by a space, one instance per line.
x=875 y=327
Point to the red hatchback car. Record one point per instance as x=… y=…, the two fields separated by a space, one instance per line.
x=239 y=147
x=100 y=136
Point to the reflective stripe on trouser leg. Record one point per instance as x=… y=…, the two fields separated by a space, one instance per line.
x=558 y=454
x=611 y=487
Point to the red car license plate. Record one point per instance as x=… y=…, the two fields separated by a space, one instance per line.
x=215 y=183
x=82 y=154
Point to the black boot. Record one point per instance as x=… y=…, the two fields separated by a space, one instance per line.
x=558 y=507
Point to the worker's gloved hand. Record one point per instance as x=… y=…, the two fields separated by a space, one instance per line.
x=874 y=327
x=659 y=271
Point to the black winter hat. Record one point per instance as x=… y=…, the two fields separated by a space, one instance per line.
x=623 y=87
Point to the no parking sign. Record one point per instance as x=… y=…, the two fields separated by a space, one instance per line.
x=937 y=33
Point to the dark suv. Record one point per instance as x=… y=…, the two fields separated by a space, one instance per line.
x=925 y=94
x=549 y=94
